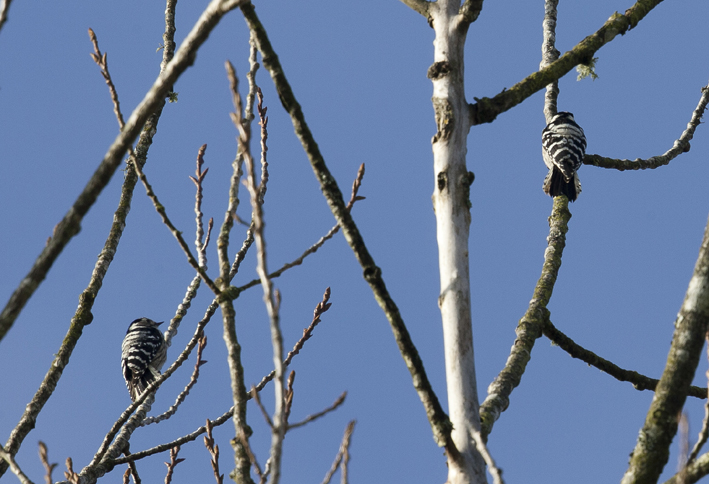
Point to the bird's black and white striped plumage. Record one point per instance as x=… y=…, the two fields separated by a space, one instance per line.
x=563 y=148
x=144 y=353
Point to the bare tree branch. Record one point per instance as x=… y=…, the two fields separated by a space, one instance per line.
x=470 y=11
x=680 y=146
x=340 y=400
x=236 y=371
x=14 y=467
x=421 y=6
x=83 y=315
x=529 y=328
x=342 y=455
x=314 y=248
x=437 y=417
x=172 y=464
x=213 y=450
x=69 y=226
x=307 y=333
x=639 y=381
x=183 y=394
x=485 y=110
x=160 y=208
x=271 y=297
x=693 y=472
x=48 y=468
x=704 y=432
x=489 y=461
x=652 y=449
x=549 y=55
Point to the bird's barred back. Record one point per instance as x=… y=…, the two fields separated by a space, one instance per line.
x=563 y=149
x=143 y=354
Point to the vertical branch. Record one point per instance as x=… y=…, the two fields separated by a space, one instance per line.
x=242 y=473
x=451 y=201
x=549 y=55
x=270 y=297
x=652 y=449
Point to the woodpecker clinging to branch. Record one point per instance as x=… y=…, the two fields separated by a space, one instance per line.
x=144 y=353
x=563 y=147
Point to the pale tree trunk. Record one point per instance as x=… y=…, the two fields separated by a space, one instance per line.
x=451 y=203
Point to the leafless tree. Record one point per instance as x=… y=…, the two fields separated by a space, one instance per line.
x=463 y=430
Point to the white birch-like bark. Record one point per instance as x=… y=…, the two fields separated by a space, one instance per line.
x=451 y=203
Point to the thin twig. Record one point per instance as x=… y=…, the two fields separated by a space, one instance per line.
x=342 y=455
x=102 y=61
x=48 y=468
x=290 y=393
x=172 y=464
x=198 y=179
x=236 y=371
x=336 y=228
x=340 y=400
x=680 y=146
x=683 y=447
x=213 y=450
x=489 y=461
x=183 y=394
x=254 y=394
x=307 y=333
x=270 y=296
x=639 y=381
x=69 y=473
x=133 y=469
x=160 y=208
x=14 y=467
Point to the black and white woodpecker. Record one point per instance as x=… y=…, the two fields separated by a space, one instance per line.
x=143 y=354
x=563 y=147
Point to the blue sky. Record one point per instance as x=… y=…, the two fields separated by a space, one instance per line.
x=359 y=71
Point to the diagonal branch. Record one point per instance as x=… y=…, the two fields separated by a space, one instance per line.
x=485 y=110
x=421 y=6
x=438 y=419
x=83 y=315
x=639 y=381
x=160 y=208
x=652 y=449
x=14 y=467
x=314 y=248
x=70 y=225
x=530 y=326
x=336 y=404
